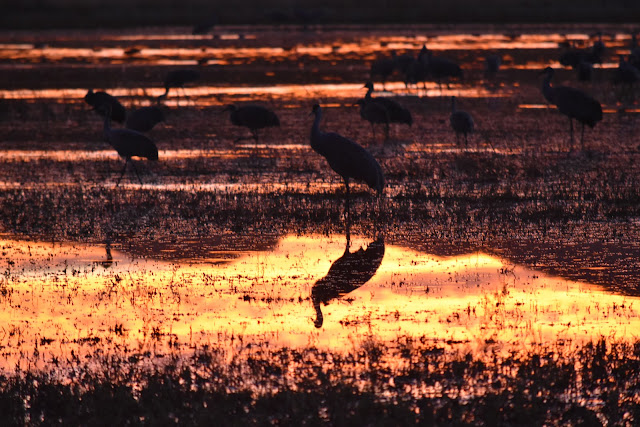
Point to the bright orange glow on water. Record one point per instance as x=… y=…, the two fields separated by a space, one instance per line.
x=60 y=300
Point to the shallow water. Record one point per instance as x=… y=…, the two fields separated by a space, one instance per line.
x=70 y=300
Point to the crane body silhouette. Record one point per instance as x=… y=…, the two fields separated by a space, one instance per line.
x=103 y=102
x=253 y=117
x=397 y=113
x=346 y=157
x=177 y=79
x=439 y=68
x=461 y=122
x=573 y=103
x=129 y=143
x=374 y=113
x=144 y=119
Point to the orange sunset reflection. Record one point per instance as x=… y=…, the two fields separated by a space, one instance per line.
x=61 y=301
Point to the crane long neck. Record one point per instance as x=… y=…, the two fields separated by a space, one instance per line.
x=367 y=97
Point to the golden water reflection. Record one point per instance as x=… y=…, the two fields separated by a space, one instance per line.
x=65 y=301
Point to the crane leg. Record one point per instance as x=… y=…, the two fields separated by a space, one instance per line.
x=346 y=199
x=373 y=131
x=466 y=144
x=582 y=137
x=124 y=169
x=386 y=132
x=135 y=169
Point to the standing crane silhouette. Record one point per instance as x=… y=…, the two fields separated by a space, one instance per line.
x=145 y=118
x=374 y=113
x=128 y=143
x=253 y=117
x=461 y=122
x=347 y=273
x=439 y=68
x=177 y=79
x=101 y=101
x=573 y=103
x=383 y=67
x=396 y=112
x=346 y=157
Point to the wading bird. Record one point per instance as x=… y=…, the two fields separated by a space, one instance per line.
x=492 y=65
x=347 y=158
x=253 y=117
x=439 y=68
x=396 y=112
x=383 y=67
x=144 y=119
x=374 y=114
x=461 y=122
x=347 y=273
x=177 y=79
x=101 y=101
x=573 y=103
x=128 y=143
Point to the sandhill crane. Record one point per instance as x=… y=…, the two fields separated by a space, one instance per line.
x=177 y=79
x=205 y=26
x=573 y=103
x=128 y=143
x=440 y=68
x=383 y=67
x=102 y=101
x=144 y=119
x=374 y=113
x=626 y=73
x=492 y=65
x=461 y=122
x=584 y=71
x=346 y=157
x=347 y=273
x=396 y=113
x=253 y=117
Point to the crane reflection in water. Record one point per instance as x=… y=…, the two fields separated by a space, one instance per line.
x=347 y=273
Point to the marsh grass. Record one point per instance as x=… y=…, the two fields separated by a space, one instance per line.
x=406 y=382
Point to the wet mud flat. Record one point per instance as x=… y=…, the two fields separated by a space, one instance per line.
x=211 y=207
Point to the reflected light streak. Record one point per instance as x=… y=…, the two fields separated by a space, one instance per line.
x=72 y=293
x=310 y=91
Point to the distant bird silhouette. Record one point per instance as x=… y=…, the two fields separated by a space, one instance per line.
x=440 y=68
x=347 y=273
x=253 y=117
x=144 y=119
x=383 y=68
x=626 y=73
x=584 y=71
x=461 y=122
x=492 y=65
x=347 y=158
x=597 y=50
x=128 y=143
x=101 y=101
x=396 y=113
x=205 y=26
x=375 y=114
x=177 y=79
x=573 y=57
x=573 y=103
